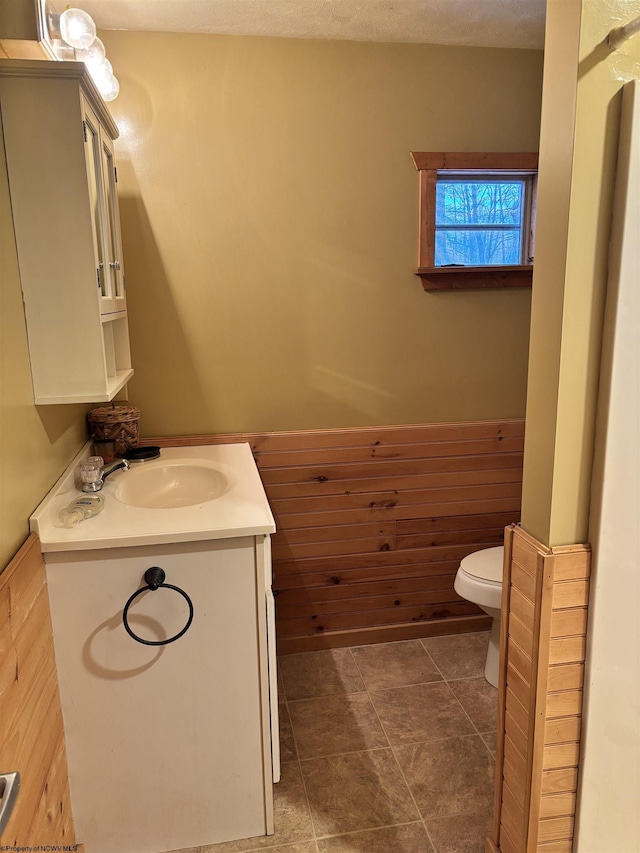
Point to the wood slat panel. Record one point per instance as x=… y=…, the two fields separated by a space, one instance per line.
x=567 y=650
x=396 y=498
x=520 y=660
x=430 y=540
x=514 y=758
x=390 y=468
x=562 y=729
x=570 y=594
x=321 y=455
x=507 y=845
x=567 y=623
x=555 y=847
x=288 y=609
x=520 y=688
x=522 y=635
x=518 y=712
x=334 y=592
x=524 y=582
x=439 y=554
x=382 y=573
x=525 y=554
x=31 y=730
x=561 y=755
x=448 y=524
x=570 y=564
x=323 y=485
x=518 y=737
x=509 y=828
x=566 y=677
x=513 y=815
x=515 y=781
x=311 y=624
x=555 y=829
x=340 y=547
x=566 y=703
x=390 y=510
x=560 y=781
x=382 y=634
x=523 y=608
x=333 y=533
x=544 y=645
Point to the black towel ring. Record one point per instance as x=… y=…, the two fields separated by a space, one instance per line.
x=154 y=578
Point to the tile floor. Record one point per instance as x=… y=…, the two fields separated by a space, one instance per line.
x=384 y=748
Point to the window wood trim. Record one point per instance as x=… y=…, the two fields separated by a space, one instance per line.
x=428 y=164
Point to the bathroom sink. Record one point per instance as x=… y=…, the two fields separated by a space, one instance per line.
x=173 y=483
x=189 y=494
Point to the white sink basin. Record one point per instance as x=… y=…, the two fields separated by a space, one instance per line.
x=190 y=494
x=172 y=483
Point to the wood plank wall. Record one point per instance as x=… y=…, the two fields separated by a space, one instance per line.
x=543 y=644
x=373 y=522
x=31 y=733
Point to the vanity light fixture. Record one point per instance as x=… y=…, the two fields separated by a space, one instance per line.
x=93 y=55
x=77 y=28
x=72 y=36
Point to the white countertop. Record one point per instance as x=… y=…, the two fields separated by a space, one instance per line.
x=242 y=510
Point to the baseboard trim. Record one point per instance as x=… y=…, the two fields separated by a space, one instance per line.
x=383 y=634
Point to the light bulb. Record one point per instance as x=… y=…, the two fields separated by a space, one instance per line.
x=93 y=55
x=101 y=72
x=109 y=88
x=77 y=28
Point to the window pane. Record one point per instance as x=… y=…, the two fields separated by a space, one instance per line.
x=478 y=247
x=479 y=202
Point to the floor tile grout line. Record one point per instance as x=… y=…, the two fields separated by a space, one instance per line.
x=390 y=746
x=454 y=695
x=475 y=728
x=404 y=778
x=304 y=787
x=371 y=829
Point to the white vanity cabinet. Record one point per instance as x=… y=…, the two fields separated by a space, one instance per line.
x=168 y=746
x=58 y=138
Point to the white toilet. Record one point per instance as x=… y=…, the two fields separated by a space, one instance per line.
x=479 y=579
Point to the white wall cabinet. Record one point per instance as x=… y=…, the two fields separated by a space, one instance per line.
x=58 y=137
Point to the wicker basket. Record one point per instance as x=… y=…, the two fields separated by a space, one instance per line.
x=120 y=423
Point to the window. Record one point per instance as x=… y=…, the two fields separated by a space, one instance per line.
x=477 y=219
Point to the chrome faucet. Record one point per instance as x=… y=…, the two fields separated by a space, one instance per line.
x=93 y=477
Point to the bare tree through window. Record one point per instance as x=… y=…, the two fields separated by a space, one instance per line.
x=479 y=222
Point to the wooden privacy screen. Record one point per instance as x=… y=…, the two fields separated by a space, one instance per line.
x=31 y=733
x=372 y=524
x=544 y=623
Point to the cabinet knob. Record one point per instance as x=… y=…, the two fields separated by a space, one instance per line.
x=115 y=265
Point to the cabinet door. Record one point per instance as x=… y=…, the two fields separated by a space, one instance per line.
x=112 y=222
x=93 y=154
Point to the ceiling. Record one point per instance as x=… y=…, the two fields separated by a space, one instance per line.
x=487 y=23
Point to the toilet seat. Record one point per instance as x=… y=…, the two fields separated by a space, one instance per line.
x=485 y=565
x=479 y=578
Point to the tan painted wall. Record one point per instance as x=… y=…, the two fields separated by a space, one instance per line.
x=36 y=443
x=578 y=147
x=269 y=210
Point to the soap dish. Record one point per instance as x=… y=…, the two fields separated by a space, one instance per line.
x=142 y=454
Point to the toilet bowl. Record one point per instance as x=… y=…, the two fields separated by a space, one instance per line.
x=479 y=580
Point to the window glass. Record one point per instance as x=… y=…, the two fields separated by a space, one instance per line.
x=479 y=222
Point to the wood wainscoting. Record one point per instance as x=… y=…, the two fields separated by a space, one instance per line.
x=31 y=733
x=542 y=653
x=373 y=522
